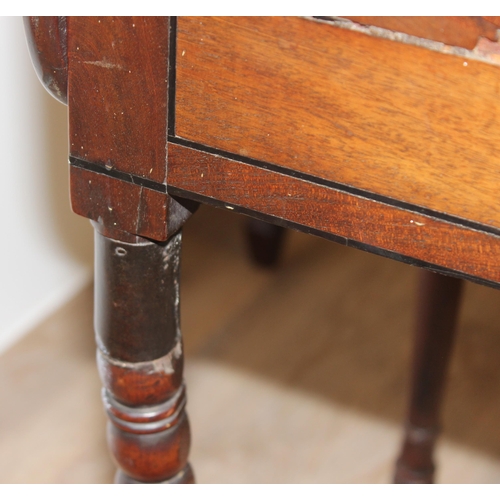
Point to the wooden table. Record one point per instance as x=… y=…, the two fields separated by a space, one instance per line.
x=377 y=133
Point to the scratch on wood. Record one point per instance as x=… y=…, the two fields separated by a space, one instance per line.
x=485 y=50
x=165 y=364
x=488 y=49
x=105 y=64
x=171 y=252
x=139 y=206
x=417 y=223
x=55 y=88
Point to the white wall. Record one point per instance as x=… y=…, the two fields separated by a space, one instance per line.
x=45 y=250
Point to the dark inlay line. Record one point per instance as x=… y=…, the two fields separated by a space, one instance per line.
x=172 y=52
x=329 y=19
x=181 y=193
x=116 y=174
x=477 y=226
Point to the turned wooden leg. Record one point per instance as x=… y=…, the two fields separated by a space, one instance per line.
x=140 y=358
x=437 y=311
x=264 y=241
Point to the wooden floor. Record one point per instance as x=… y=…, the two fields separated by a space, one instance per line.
x=295 y=375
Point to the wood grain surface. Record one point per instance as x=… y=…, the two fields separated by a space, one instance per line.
x=394 y=119
x=118 y=204
x=326 y=211
x=118 y=92
x=118 y=98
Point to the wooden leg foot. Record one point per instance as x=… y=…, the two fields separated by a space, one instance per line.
x=140 y=358
x=416 y=463
x=437 y=312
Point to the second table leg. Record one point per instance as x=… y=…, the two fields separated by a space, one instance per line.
x=437 y=312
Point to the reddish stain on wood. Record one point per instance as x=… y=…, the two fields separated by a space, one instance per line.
x=335 y=212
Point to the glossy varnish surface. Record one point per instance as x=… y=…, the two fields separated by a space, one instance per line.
x=47 y=42
x=140 y=357
x=393 y=119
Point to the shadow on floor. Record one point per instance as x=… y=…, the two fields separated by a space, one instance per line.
x=335 y=322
